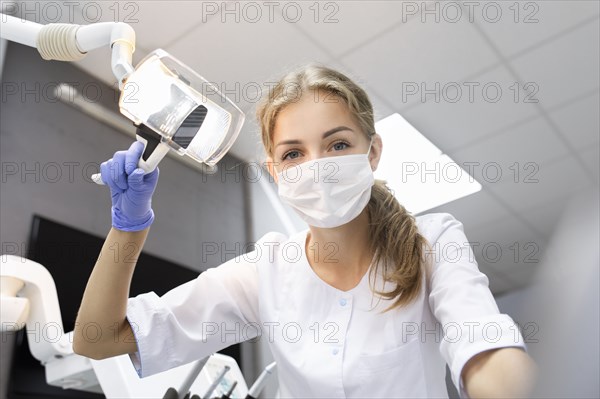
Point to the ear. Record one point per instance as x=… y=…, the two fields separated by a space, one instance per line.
x=376 y=149
x=271 y=168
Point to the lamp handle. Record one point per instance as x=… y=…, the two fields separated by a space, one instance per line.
x=154 y=151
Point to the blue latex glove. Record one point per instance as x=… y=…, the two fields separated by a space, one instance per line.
x=131 y=189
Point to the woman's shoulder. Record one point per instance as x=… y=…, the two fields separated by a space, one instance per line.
x=434 y=217
x=279 y=260
x=275 y=237
x=432 y=225
x=265 y=259
x=274 y=246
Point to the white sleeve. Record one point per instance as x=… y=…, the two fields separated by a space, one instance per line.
x=462 y=302
x=196 y=319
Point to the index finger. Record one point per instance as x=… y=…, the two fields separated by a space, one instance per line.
x=132 y=157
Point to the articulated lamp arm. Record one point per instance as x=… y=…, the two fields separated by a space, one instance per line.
x=71 y=42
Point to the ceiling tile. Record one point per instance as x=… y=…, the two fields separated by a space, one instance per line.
x=156 y=23
x=564 y=68
x=503 y=232
x=474 y=210
x=416 y=53
x=591 y=157
x=579 y=121
x=523 y=24
x=490 y=107
x=540 y=184
x=522 y=274
x=343 y=25
x=497 y=283
x=381 y=107
x=505 y=156
x=162 y=22
x=544 y=216
x=245 y=58
x=505 y=244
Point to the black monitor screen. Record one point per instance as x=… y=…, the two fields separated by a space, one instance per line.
x=69 y=254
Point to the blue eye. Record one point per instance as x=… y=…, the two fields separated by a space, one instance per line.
x=285 y=156
x=336 y=145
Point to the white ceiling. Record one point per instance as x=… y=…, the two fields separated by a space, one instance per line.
x=383 y=46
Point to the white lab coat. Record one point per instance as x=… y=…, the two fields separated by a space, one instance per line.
x=329 y=343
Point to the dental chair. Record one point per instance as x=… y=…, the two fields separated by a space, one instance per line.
x=29 y=300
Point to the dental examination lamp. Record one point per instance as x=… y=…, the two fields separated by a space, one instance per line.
x=172 y=107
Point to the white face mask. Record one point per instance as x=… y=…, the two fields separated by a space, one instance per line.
x=328 y=192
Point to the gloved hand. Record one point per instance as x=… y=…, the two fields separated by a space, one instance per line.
x=131 y=189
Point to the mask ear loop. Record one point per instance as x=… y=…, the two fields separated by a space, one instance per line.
x=369 y=150
x=370 y=146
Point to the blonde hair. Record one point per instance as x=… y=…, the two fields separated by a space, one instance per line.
x=394 y=238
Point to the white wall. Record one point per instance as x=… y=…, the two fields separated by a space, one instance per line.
x=561 y=310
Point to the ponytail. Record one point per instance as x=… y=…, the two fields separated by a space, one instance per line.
x=398 y=246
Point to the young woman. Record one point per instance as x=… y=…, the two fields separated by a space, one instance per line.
x=368 y=301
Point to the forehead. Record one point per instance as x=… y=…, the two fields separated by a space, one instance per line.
x=314 y=113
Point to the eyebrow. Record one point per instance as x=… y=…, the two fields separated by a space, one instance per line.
x=325 y=135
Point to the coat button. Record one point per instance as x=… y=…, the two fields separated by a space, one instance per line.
x=335 y=351
x=343 y=302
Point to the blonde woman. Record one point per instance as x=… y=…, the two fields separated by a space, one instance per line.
x=368 y=301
